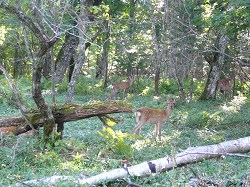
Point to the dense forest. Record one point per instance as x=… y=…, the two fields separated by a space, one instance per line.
x=80 y=79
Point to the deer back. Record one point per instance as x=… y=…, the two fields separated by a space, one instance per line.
x=225 y=84
x=150 y=115
x=120 y=85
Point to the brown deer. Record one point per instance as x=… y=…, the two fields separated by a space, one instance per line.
x=158 y=117
x=226 y=87
x=117 y=86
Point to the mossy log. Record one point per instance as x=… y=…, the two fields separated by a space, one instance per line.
x=65 y=113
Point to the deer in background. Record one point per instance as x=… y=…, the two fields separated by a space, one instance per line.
x=158 y=117
x=117 y=86
x=226 y=87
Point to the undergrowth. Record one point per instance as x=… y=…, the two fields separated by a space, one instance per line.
x=89 y=148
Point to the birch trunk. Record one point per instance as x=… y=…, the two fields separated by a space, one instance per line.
x=190 y=155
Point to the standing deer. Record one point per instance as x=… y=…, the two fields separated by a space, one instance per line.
x=226 y=87
x=158 y=117
x=117 y=86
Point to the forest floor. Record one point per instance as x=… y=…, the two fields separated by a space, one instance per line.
x=88 y=148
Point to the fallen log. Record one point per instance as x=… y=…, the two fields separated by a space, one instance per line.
x=66 y=113
x=190 y=155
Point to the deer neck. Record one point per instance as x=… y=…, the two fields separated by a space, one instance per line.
x=169 y=110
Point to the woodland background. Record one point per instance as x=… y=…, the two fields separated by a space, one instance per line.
x=69 y=52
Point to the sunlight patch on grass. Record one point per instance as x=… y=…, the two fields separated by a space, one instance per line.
x=209 y=134
x=69 y=165
x=235 y=104
x=141 y=144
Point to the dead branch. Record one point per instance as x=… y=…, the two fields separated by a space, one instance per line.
x=66 y=113
x=190 y=155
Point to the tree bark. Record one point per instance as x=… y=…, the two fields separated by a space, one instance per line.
x=105 y=54
x=80 y=60
x=190 y=155
x=39 y=99
x=216 y=62
x=45 y=42
x=65 y=114
x=65 y=55
x=157 y=52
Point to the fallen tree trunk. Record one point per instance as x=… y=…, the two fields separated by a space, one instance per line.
x=190 y=155
x=66 y=113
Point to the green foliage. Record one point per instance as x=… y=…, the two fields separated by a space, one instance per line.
x=231 y=15
x=168 y=86
x=85 y=85
x=62 y=87
x=54 y=143
x=6 y=93
x=87 y=149
x=117 y=142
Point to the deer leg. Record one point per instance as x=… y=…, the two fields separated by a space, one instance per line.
x=113 y=92
x=160 y=127
x=137 y=128
x=123 y=93
x=156 y=130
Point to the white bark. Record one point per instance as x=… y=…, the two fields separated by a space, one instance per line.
x=190 y=155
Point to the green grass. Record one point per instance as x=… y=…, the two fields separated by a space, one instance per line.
x=87 y=148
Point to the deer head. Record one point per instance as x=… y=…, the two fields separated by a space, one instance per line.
x=225 y=86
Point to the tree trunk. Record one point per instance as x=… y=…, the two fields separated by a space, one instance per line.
x=157 y=54
x=39 y=100
x=17 y=61
x=66 y=54
x=80 y=60
x=216 y=62
x=190 y=155
x=105 y=54
x=157 y=78
x=44 y=44
x=191 y=89
x=66 y=113
x=47 y=65
x=99 y=63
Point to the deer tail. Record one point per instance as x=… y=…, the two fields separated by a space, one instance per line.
x=137 y=115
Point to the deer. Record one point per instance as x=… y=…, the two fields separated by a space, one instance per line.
x=117 y=86
x=226 y=87
x=158 y=117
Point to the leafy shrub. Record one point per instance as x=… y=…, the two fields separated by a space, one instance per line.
x=117 y=142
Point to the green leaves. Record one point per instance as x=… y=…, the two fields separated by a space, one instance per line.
x=117 y=141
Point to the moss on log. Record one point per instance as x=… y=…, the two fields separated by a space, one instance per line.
x=67 y=113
